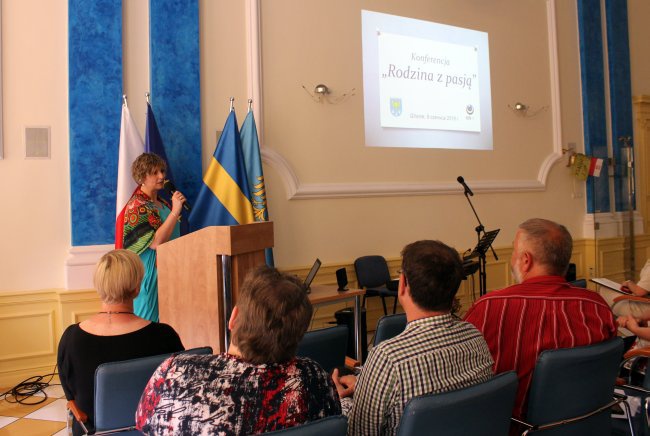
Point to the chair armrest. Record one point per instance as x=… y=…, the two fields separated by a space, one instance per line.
x=637 y=352
x=78 y=414
x=645 y=300
x=351 y=363
x=634 y=388
x=616 y=399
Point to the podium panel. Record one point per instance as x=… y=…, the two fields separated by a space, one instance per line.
x=190 y=278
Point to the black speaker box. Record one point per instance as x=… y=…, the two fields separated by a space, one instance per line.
x=342 y=279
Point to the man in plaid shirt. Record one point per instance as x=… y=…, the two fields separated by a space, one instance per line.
x=437 y=352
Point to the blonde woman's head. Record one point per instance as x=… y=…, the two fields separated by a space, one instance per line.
x=118 y=276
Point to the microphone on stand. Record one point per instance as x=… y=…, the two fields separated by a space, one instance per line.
x=170 y=188
x=462 y=182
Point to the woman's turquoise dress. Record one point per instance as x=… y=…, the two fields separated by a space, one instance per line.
x=142 y=218
x=146 y=304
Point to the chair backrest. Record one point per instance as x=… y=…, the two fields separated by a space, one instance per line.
x=372 y=271
x=570 y=382
x=325 y=346
x=579 y=283
x=389 y=326
x=330 y=426
x=119 y=385
x=482 y=409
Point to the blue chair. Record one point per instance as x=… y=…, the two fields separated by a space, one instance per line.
x=330 y=426
x=579 y=283
x=572 y=390
x=388 y=327
x=373 y=276
x=480 y=410
x=325 y=346
x=118 y=388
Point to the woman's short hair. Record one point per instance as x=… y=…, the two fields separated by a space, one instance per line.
x=118 y=276
x=145 y=164
x=274 y=313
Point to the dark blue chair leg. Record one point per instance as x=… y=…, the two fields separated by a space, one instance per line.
x=383 y=303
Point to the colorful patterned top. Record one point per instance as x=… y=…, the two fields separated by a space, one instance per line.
x=141 y=220
x=223 y=394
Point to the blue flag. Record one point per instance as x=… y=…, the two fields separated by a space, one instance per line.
x=224 y=198
x=253 y=162
x=153 y=143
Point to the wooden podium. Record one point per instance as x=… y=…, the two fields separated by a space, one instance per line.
x=193 y=273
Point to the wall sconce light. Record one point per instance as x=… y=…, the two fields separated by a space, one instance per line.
x=520 y=107
x=322 y=93
x=321 y=89
x=524 y=110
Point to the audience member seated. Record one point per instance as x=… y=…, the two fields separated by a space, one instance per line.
x=436 y=352
x=637 y=303
x=259 y=385
x=541 y=312
x=113 y=334
x=642 y=287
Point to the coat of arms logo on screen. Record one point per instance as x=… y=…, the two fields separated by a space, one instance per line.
x=396 y=106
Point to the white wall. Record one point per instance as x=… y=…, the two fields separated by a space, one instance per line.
x=35 y=211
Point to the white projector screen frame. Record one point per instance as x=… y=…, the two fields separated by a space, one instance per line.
x=440 y=74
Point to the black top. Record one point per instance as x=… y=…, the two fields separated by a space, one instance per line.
x=80 y=353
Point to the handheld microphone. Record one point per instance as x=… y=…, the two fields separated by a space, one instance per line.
x=170 y=188
x=462 y=182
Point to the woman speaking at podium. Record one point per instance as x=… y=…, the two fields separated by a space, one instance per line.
x=148 y=222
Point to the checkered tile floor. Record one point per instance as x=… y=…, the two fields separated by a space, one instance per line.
x=46 y=418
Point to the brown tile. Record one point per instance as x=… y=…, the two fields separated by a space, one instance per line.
x=31 y=427
x=19 y=410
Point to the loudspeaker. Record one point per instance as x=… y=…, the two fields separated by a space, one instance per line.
x=37 y=142
x=342 y=279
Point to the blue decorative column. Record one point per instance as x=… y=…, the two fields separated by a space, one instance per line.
x=593 y=100
x=175 y=87
x=95 y=97
x=620 y=90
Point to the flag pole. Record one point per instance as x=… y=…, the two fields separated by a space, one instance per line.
x=124 y=100
x=250 y=104
x=232 y=104
x=147 y=95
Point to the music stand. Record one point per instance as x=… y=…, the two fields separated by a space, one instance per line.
x=483 y=245
x=484 y=242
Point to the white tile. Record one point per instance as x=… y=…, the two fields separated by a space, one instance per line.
x=52 y=391
x=62 y=432
x=55 y=411
x=6 y=420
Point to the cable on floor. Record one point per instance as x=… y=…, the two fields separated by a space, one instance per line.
x=28 y=388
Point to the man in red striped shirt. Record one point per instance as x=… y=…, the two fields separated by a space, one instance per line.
x=541 y=312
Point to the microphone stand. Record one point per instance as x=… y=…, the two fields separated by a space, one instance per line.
x=480 y=229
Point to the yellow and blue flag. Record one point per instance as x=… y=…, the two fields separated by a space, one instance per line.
x=253 y=162
x=224 y=198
